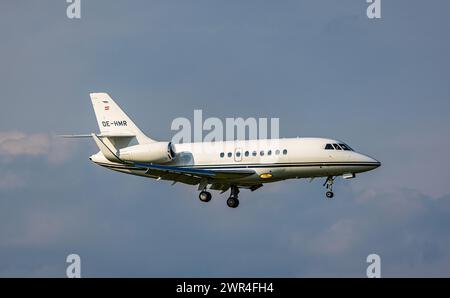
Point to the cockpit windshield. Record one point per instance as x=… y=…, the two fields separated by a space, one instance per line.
x=340 y=146
x=346 y=147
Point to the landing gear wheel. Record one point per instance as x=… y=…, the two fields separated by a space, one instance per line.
x=204 y=196
x=232 y=202
x=329 y=185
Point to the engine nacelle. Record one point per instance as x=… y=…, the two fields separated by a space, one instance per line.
x=158 y=152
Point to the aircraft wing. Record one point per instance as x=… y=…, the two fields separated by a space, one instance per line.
x=191 y=175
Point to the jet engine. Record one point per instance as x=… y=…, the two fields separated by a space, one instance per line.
x=158 y=152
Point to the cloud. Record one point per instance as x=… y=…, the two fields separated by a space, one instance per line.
x=400 y=204
x=335 y=240
x=15 y=144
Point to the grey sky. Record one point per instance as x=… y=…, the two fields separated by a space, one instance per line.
x=322 y=67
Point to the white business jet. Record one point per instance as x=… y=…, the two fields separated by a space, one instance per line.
x=219 y=166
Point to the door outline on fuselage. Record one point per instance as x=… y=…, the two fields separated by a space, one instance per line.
x=236 y=157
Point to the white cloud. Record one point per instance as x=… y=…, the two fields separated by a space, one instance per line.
x=14 y=144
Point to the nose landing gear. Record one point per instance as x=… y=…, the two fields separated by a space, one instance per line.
x=329 y=185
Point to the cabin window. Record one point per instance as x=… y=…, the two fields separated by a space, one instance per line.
x=254 y=153
x=261 y=153
x=336 y=146
x=285 y=152
x=247 y=153
x=222 y=155
x=230 y=154
x=277 y=152
x=238 y=154
x=329 y=147
x=269 y=152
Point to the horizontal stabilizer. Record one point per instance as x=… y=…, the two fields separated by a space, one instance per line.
x=74 y=136
x=102 y=135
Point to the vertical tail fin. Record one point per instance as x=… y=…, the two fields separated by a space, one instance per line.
x=113 y=121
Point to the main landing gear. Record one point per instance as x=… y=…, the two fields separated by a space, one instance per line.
x=205 y=196
x=233 y=201
x=329 y=185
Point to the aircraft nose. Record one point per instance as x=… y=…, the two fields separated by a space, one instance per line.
x=374 y=163
x=368 y=162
